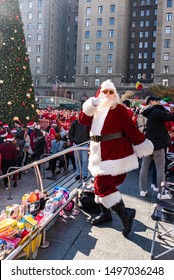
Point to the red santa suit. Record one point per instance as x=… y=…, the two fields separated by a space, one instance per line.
x=110 y=160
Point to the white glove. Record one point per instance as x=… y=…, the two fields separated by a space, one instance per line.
x=96 y=101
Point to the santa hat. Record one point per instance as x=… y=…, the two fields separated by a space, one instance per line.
x=3 y=133
x=165 y=105
x=5 y=125
x=13 y=130
x=9 y=137
x=37 y=126
x=31 y=124
x=106 y=85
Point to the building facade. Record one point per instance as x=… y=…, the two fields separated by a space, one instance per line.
x=74 y=45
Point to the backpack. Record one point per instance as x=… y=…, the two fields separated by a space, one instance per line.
x=88 y=203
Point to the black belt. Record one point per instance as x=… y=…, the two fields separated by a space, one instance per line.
x=99 y=138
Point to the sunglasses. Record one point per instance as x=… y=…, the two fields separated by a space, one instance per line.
x=108 y=90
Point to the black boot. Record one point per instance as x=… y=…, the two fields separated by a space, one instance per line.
x=126 y=215
x=104 y=217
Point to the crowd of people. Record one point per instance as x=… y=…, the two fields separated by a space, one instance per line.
x=120 y=136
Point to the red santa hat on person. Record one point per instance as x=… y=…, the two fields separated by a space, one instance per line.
x=5 y=125
x=3 y=133
x=13 y=130
x=9 y=138
x=31 y=124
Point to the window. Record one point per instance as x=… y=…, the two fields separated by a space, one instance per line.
x=140 y=55
x=88 y=10
x=87 y=34
x=155 y=22
x=39 y=37
x=134 y=14
x=168 y=16
x=100 y=10
x=97 y=70
x=131 y=66
x=36 y=82
x=131 y=55
x=141 y=23
x=109 y=70
x=29 y=26
x=86 y=58
x=154 y=44
x=142 y=13
x=29 y=15
x=28 y=48
x=147 y=13
x=110 y=46
x=98 y=58
x=38 y=48
x=97 y=82
x=29 y=37
x=99 y=21
x=169 y=3
x=154 y=33
x=98 y=34
x=39 y=15
x=85 y=70
x=153 y=55
x=146 y=34
x=98 y=46
x=141 y=35
x=146 y=23
x=132 y=45
x=165 y=82
x=30 y=4
x=111 y=33
x=110 y=57
x=166 y=57
x=87 y=47
x=37 y=70
x=133 y=24
x=38 y=59
x=88 y=22
x=111 y=20
x=133 y=34
x=146 y=45
x=85 y=82
x=168 y=29
x=165 y=69
x=167 y=43
x=139 y=65
x=140 y=45
x=39 y=26
x=112 y=8
x=39 y=3
x=144 y=65
x=145 y=55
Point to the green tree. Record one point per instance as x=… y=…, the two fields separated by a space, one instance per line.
x=16 y=87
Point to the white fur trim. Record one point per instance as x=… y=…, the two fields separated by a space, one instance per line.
x=98 y=120
x=109 y=200
x=88 y=108
x=144 y=149
x=112 y=167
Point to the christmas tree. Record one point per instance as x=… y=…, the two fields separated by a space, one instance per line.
x=16 y=89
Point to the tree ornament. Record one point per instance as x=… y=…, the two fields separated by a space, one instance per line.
x=28 y=95
x=9 y=103
x=32 y=105
x=15 y=118
x=27 y=118
x=23 y=103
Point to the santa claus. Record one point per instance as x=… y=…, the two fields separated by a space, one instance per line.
x=115 y=146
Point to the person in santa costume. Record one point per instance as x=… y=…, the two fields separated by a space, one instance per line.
x=115 y=145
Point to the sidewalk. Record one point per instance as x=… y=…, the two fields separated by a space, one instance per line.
x=74 y=238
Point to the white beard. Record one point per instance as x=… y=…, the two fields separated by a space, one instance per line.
x=107 y=102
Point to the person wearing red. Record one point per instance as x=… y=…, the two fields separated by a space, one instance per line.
x=115 y=146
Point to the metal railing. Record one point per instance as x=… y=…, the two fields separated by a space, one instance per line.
x=42 y=229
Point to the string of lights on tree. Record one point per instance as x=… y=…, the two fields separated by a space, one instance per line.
x=16 y=89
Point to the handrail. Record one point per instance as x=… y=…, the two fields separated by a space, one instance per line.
x=41 y=161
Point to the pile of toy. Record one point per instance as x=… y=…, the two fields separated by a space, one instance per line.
x=20 y=220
